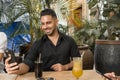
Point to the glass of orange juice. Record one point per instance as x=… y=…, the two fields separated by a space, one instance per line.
x=77 y=70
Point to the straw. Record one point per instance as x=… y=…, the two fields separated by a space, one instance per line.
x=39 y=57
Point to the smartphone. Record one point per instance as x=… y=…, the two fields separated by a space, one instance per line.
x=9 y=53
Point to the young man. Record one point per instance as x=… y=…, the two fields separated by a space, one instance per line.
x=56 y=49
x=3 y=44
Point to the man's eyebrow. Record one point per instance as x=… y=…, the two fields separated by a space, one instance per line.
x=46 y=22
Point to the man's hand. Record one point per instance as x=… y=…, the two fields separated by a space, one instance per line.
x=112 y=76
x=58 y=67
x=11 y=68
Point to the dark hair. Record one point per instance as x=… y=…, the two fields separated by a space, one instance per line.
x=48 y=12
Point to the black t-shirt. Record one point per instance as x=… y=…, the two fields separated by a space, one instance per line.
x=62 y=53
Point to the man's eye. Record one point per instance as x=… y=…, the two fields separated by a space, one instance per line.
x=48 y=22
x=42 y=23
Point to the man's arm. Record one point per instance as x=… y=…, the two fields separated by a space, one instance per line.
x=60 y=67
x=13 y=68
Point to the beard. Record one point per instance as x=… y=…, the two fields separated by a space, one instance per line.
x=50 y=31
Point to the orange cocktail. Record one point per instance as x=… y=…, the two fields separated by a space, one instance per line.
x=77 y=67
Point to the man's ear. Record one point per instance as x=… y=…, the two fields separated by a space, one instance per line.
x=57 y=21
x=41 y=28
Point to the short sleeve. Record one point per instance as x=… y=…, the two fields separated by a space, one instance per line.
x=3 y=42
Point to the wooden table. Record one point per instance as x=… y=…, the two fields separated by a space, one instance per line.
x=5 y=76
x=63 y=75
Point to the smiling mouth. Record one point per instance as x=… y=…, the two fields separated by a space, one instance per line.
x=47 y=30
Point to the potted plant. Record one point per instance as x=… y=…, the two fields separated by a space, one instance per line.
x=85 y=38
x=87 y=34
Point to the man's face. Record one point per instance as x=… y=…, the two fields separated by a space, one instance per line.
x=49 y=24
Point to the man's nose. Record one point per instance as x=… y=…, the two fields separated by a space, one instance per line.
x=45 y=26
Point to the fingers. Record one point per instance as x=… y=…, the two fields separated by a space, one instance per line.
x=54 y=67
x=57 y=67
x=7 y=60
x=12 y=67
x=112 y=76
